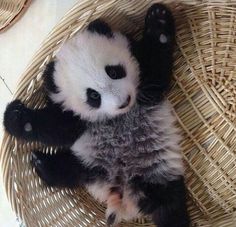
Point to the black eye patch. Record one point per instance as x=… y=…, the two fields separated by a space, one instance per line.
x=115 y=72
x=93 y=98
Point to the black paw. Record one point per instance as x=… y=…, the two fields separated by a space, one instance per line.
x=43 y=164
x=159 y=24
x=17 y=119
x=59 y=170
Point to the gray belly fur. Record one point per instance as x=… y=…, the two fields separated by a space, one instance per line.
x=143 y=142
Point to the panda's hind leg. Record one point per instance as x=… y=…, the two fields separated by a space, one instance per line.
x=64 y=169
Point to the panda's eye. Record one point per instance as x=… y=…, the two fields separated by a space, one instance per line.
x=93 y=98
x=115 y=72
x=94 y=95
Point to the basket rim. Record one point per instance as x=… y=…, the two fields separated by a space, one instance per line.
x=16 y=16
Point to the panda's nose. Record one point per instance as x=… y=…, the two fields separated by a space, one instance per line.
x=126 y=103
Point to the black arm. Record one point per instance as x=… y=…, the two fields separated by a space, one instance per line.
x=49 y=125
x=154 y=54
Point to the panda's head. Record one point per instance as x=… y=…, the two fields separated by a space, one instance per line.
x=95 y=74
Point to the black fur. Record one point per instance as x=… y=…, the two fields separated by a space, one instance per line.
x=93 y=98
x=50 y=125
x=101 y=28
x=111 y=219
x=48 y=78
x=165 y=202
x=63 y=169
x=115 y=72
x=155 y=58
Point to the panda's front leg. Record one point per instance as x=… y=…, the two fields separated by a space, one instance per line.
x=64 y=169
x=154 y=53
x=49 y=125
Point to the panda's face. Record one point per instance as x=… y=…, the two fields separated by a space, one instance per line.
x=96 y=76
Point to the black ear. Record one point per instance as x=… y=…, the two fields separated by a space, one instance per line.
x=48 y=78
x=101 y=27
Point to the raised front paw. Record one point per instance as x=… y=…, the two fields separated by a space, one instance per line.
x=159 y=24
x=17 y=119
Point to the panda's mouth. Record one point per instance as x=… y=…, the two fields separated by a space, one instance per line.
x=126 y=103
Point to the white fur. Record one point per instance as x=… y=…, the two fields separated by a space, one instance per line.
x=83 y=149
x=81 y=64
x=130 y=208
x=171 y=141
x=99 y=190
x=127 y=209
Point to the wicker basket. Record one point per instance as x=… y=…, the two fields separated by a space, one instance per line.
x=203 y=98
x=11 y=11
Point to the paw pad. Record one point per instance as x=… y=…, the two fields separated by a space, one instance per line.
x=163 y=38
x=28 y=127
x=159 y=24
x=162 y=21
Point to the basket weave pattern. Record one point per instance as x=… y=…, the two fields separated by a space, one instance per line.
x=203 y=99
x=11 y=11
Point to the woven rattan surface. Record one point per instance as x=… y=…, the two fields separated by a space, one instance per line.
x=203 y=98
x=11 y=11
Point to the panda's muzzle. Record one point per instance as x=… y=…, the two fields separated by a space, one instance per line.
x=126 y=103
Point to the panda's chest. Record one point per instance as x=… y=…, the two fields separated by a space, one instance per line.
x=119 y=143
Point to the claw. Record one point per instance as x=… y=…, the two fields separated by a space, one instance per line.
x=111 y=219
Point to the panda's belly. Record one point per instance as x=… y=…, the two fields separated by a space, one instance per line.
x=91 y=153
x=143 y=142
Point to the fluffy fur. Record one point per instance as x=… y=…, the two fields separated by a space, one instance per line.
x=143 y=135
x=77 y=67
x=145 y=143
x=120 y=142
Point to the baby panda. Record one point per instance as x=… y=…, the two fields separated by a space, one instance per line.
x=107 y=114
